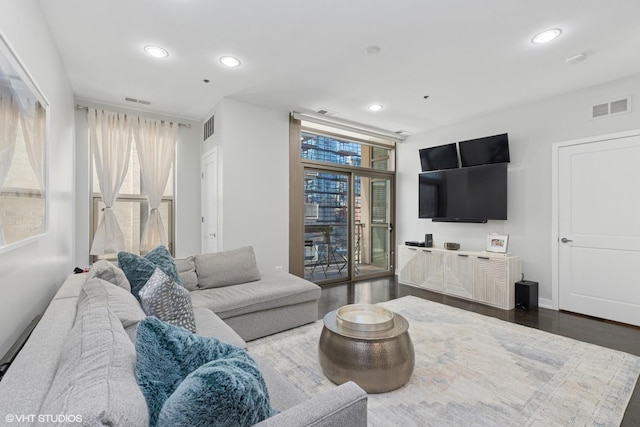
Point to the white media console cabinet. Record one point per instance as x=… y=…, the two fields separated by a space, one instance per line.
x=483 y=277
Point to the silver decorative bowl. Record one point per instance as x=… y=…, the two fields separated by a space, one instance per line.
x=368 y=345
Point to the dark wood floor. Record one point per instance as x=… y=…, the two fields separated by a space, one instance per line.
x=587 y=329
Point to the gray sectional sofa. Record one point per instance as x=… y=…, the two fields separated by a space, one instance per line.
x=53 y=358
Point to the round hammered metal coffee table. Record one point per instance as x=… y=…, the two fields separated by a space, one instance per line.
x=368 y=345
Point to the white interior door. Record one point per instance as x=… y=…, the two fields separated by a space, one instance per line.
x=599 y=229
x=209 y=202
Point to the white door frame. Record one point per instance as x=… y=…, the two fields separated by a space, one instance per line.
x=555 y=203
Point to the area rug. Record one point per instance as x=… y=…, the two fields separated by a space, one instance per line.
x=474 y=370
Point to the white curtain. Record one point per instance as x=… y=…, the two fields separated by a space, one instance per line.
x=34 y=131
x=34 y=127
x=110 y=134
x=156 y=146
x=9 y=119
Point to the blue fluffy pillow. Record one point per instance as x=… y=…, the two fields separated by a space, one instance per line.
x=225 y=383
x=139 y=269
x=227 y=392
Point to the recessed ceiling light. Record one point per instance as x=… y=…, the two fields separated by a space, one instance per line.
x=546 y=36
x=230 y=61
x=156 y=51
x=375 y=107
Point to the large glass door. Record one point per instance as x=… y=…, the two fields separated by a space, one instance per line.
x=348 y=225
x=372 y=225
x=341 y=206
x=327 y=225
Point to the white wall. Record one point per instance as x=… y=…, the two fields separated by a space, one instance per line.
x=33 y=272
x=187 y=187
x=532 y=130
x=253 y=151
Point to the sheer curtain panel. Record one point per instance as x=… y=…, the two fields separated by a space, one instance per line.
x=34 y=128
x=9 y=122
x=110 y=134
x=156 y=145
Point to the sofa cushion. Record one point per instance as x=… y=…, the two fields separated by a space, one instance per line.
x=187 y=272
x=226 y=268
x=208 y=324
x=71 y=286
x=25 y=385
x=139 y=269
x=275 y=289
x=166 y=355
x=95 y=378
x=108 y=271
x=228 y=391
x=120 y=302
x=168 y=301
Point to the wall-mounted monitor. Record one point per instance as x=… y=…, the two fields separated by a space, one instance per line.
x=472 y=194
x=439 y=157
x=484 y=151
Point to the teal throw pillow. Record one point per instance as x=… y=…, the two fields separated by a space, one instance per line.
x=167 y=354
x=227 y=392
x=139 y=269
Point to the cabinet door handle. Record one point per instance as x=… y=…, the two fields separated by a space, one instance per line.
x=412 y=249
x=463 y=255
x=483 y=257
x=426 y=250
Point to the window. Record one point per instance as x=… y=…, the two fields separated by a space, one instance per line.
x=331 y=149
x=132 y=207
x=22 y=202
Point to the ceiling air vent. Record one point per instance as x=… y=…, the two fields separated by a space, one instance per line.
x=209 y=127
x=327 y=112
x=137 y=101
x=610 y=108
x=401 y=132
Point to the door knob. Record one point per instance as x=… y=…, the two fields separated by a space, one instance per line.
x=565 y=240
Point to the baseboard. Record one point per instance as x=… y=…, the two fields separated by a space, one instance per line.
x=545 y=303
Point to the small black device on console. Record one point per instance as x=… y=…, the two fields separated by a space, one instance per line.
x=414 y=243
x=428 y=240
x=527 y=295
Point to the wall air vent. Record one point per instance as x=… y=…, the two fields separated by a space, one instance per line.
x=137 y=101
x=209 y=128
x=619 y=106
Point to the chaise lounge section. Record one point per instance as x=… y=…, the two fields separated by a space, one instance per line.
x=28 y=384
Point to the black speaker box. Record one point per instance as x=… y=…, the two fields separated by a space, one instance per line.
x=428 y=240
x=527 y=295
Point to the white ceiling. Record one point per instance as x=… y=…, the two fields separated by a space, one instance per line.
x=471 y=57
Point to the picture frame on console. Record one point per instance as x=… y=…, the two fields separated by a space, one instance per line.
x=497 y=243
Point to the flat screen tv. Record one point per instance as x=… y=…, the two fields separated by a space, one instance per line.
x=484 y=151
x=473 y=194
x=440 y=157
